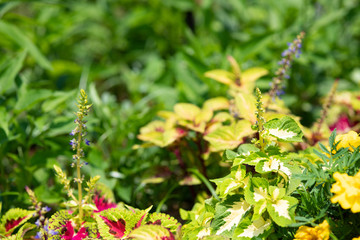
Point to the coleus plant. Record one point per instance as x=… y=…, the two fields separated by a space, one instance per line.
x=193 y=133
x=93 y=216
x=255 y=198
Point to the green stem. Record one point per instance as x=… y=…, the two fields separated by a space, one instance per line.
x=79 y=174
x=261 y=140
x=205 y=181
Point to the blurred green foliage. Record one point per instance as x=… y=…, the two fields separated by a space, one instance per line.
x=138 y=57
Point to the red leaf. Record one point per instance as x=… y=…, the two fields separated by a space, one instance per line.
x=12 y=223
x=116 y=228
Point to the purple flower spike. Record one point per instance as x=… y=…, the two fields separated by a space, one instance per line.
x=87 y=142
x=73 y=142
x=37 y=223
x=38 y=235
x=47 y=209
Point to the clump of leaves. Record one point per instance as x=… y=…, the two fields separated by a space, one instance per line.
x=255 y=198
x=93 y=216
x=317 y=180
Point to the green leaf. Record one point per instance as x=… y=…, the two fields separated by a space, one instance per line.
x=257 y=191
x=228 y=214
x=282 y=211
x=212 y=237
x=226 y=185
x=246 y=149
x=253 y=229
x=28 y=98
x=254 y=158
x=229 y=155
x=7 y=78
x=21 y=39
x=22 y=231
x=56 y=99
x=284 y=129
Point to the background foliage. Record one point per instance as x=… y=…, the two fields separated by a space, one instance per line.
x=138 y=57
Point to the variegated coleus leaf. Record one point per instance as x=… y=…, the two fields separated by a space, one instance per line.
x=257 y=194
x=253 y=229
x=231 y=182
x=214 y=237
x=246 y=149
x=229 y=137
x=160 y=133
x=282 y=210
x=61 y=226
x=192 y=117
x=274 y=164
x=20 y=235
x=115 y=223
x=284 y=129
x=228 y=214
x=151 y=232
x=13 y=219
x=164 y=220
x=254 y=158
x=198 y=227
x=284 y=167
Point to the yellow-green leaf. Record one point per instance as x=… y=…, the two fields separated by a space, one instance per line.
x=245 y=106
x=222 y=76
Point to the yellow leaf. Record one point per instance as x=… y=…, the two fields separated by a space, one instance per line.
x=222 y=76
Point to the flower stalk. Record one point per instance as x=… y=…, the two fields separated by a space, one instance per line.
x=294 y=49
x=80 y=130
x=260 y=119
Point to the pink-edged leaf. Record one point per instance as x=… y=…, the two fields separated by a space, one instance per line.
x=82 y=234
x=69 y=232
x=102 y=204
x=138 y=224
x=116 y=228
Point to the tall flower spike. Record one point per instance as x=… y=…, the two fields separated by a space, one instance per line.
x=79 y=132
x=294 y=49
x=260 y=120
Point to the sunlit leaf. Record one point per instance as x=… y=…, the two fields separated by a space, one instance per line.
x=284 y=129
x=222 y=76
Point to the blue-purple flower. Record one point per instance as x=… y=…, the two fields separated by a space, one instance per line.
x=294 y=49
